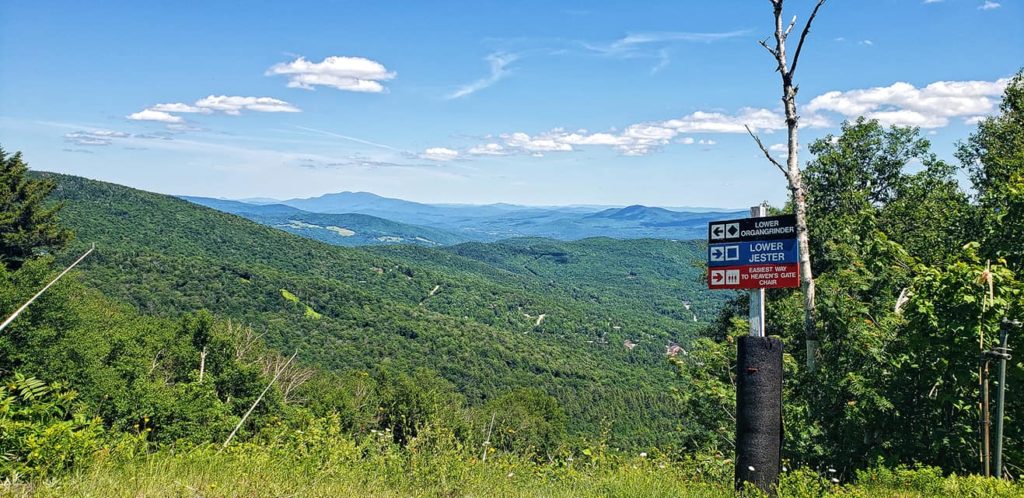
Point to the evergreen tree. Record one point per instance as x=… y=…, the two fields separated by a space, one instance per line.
x=28 y=224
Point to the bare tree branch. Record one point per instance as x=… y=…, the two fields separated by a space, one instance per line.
x=156 y=362
x=764 y=43
x=767 y=154
x=803 y=36
x=790 y=28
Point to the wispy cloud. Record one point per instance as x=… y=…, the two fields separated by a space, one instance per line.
x=499 y=62
x=989 y=5
x=673 y=36
x=349 y=138
x=94 y=137
x=663 y=61
x=353 y=74
x=640 y=45
x=634 y=42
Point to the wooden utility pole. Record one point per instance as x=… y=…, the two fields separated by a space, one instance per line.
x=787 y=70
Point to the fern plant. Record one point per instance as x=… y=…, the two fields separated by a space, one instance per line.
x=43 y=430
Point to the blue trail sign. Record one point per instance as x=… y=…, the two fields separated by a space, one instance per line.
x=753 y=253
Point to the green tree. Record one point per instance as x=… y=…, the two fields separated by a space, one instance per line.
x=411 y=402
x=994 y=158
x=887 y=177
x=527 y=421
x=28 y=223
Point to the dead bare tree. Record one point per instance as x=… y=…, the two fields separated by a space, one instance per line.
x=245 y=340
x=791 y=170
x=258 y=399
x=291 y=376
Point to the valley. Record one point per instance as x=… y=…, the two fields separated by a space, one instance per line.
x=487 y=316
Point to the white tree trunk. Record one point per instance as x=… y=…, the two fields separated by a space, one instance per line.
x=791 y=170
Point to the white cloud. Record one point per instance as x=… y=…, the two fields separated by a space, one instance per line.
x=989 y=5
x=866 y=42
x=906 y=105
x=642 y=138
x=179 y=107
x=440 y=154
x=490 y=149
x=498 y=62
x=932 y=1
x=154 y=115
x=354 y=74
x=233 y=105
x=900 y=103
x=716 y=122
x=544 y=143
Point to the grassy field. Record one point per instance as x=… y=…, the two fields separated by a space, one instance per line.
x=349 y=469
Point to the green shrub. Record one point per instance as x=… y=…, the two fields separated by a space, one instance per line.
x=43 y=431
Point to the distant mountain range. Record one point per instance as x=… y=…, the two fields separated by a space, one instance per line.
x=343 y=229
x=363 y=218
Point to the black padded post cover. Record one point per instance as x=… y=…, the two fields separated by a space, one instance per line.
x=758 y=412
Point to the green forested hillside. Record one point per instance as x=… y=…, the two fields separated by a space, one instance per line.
x=527 y=313
x=527 y=367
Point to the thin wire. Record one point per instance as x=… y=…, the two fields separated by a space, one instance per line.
x=40 y=293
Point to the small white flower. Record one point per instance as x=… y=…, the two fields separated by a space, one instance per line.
x=510 y=474
x=831 y=470
x=750 y=468
x=784 y=469
x=835 y=481
x=643 y=454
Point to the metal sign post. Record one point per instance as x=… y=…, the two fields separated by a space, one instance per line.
x=757 y=295
x=1002 y=353
x=755 y=254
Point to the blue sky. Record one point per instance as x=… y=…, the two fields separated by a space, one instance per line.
x=532 y=102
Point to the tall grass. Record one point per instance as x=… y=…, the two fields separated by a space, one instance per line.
x=320 y=462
